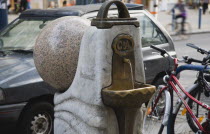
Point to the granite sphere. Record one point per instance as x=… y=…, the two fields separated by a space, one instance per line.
x=56 y=50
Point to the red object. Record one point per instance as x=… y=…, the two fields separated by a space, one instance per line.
x=138 y=1
x=172 y=82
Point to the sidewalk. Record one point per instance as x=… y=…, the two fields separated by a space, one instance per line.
x=164 y=18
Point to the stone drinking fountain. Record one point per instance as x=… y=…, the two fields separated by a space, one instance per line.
x=107 y=91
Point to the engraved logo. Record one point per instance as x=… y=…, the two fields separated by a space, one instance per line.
x=123 y=44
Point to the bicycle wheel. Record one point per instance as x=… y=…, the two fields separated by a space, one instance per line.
x=185 y=35
x=200 y=113
x=172 y=29
x=177 y=33
x=188 y=28
x=179 y=125
x=156 y=121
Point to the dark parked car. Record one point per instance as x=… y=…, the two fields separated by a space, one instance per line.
x=26 y=102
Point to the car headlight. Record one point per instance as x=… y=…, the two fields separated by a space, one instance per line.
x=2 y=97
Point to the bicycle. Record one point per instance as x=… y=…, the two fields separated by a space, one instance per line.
x=161 y=113
x=175 y=29
x=201 y=92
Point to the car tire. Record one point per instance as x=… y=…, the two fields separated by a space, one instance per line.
x=37 y=118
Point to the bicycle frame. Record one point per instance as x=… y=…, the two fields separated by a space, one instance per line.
x=172 y=83
x=183 y=94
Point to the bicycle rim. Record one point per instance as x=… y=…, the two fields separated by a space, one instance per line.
x=179 y=123
x=187 y=32
x=200 y=113
x=153 y=120
x=172 y=30
x=176 y=32
x=188 y=28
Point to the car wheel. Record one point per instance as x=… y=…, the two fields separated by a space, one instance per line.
x=37 y=118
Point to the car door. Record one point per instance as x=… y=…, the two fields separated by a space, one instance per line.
x=153 y=34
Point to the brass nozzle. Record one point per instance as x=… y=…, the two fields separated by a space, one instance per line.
x=126 y=60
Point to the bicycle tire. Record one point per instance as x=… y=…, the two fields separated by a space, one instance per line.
x=171 y=30
x=157 y=120
x=177 y=33
x=188 y=28
x=187 y=32
x=179 y=125
x=200 y=113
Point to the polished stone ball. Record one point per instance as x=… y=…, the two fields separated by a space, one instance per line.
x=56 y=50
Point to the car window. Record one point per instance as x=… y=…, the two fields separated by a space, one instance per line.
x=21 y=34
x=150 y=33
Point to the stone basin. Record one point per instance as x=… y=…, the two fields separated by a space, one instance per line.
x=131 y=98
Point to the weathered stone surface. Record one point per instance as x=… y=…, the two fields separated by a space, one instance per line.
x=80 y=109
x=56 y=50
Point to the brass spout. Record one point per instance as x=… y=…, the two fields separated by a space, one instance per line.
x=126 y=60
x=131 y=70
x=125 y=95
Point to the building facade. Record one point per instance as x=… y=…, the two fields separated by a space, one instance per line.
x=42 y=4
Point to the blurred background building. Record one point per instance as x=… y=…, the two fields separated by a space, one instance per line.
x=41 y=4
x=44 y=4
x=163 y=5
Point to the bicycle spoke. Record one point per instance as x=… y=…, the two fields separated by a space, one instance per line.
x=200 y=113
x=153 y=119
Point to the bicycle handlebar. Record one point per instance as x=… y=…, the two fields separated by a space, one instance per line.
x=162 y=51
x=186 y=59
x=206 y=59
x=194 y=60
x=192 y=45
x=200 y=50
x=190 y=60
